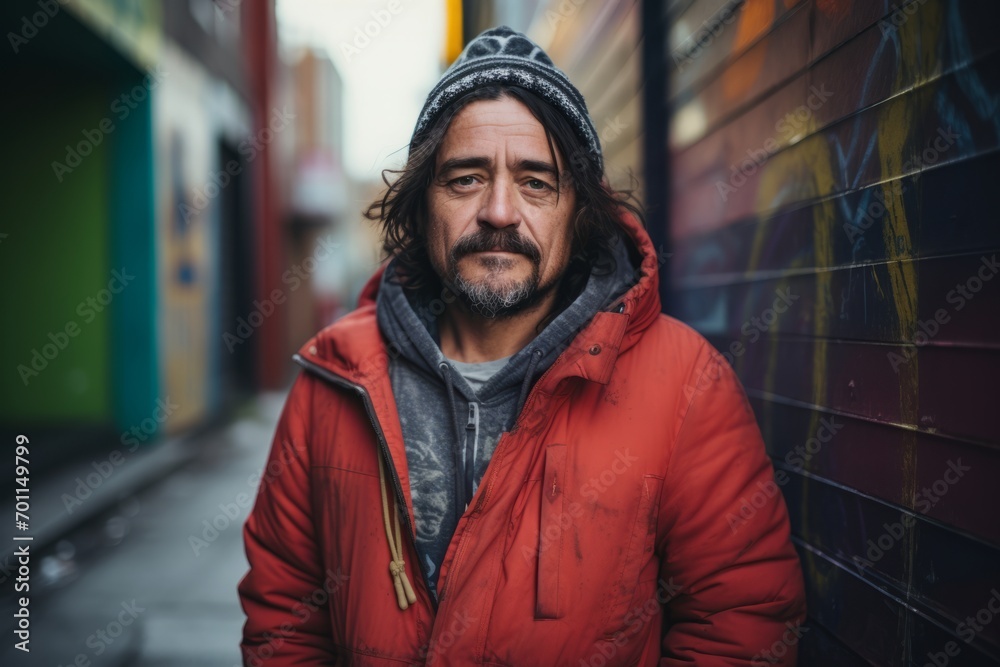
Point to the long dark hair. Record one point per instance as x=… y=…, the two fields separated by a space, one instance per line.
x=402 y=208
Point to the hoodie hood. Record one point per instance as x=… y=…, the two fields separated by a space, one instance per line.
x=411 y=326
x=351 y=347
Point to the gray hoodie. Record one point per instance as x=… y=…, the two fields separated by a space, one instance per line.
x=449 y=429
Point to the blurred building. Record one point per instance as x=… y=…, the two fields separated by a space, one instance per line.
x=598 y=45
x=318 y=193
x=206 y=146
x=142 y=240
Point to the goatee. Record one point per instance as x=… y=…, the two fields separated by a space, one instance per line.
x=487 y=297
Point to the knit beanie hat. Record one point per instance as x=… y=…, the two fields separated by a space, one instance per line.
x=505 y=56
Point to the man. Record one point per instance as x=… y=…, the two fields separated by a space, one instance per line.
x=507 y=455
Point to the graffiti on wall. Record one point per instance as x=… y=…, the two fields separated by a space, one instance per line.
x=840 y=152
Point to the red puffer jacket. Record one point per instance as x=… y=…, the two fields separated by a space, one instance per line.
x=629 y=517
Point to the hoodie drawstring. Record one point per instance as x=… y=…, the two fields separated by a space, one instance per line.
x=397 y=566
x=536 y=357
x=460 y=500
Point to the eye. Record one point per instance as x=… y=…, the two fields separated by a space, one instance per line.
x=464 y=181
x=536 y=184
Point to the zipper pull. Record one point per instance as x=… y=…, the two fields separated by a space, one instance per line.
x=471 y=425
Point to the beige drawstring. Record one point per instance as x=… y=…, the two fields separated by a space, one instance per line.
x=397 y=567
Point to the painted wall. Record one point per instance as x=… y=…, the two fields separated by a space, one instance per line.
x=834 y=233
x=57 y=254
x=77 y=246
x=139 y=122
x=194 y=113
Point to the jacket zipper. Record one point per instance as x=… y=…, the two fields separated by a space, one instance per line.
x=481 y=502
x=470 y=448
x=341 y=381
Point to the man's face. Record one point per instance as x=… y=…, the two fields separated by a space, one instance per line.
x=498 y=231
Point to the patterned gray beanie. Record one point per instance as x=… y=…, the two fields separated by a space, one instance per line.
x=502 y=55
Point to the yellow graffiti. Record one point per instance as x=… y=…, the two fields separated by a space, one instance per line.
x=897 y=120
x=806 y=165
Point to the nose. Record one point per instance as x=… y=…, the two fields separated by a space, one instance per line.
x=499 y=206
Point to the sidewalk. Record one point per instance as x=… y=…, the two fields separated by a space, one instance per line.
x=159 y=589
x=71 y=496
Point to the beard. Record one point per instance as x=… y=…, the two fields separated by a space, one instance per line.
x=493 y=296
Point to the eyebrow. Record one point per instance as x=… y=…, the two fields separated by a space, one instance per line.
x=477 y=162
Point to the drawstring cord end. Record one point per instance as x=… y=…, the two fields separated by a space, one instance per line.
x=397 y=566
x=404 y=592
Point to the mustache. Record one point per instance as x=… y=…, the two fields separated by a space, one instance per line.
x=488 y=239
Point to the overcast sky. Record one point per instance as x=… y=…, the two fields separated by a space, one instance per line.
x=385 y=80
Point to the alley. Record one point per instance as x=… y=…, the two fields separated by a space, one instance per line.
x=165 y=595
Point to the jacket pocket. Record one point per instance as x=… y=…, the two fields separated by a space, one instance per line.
x=628 y=592
x=549 y=601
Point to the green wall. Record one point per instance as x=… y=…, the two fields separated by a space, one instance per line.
x=71 y=236
x=55 y=255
